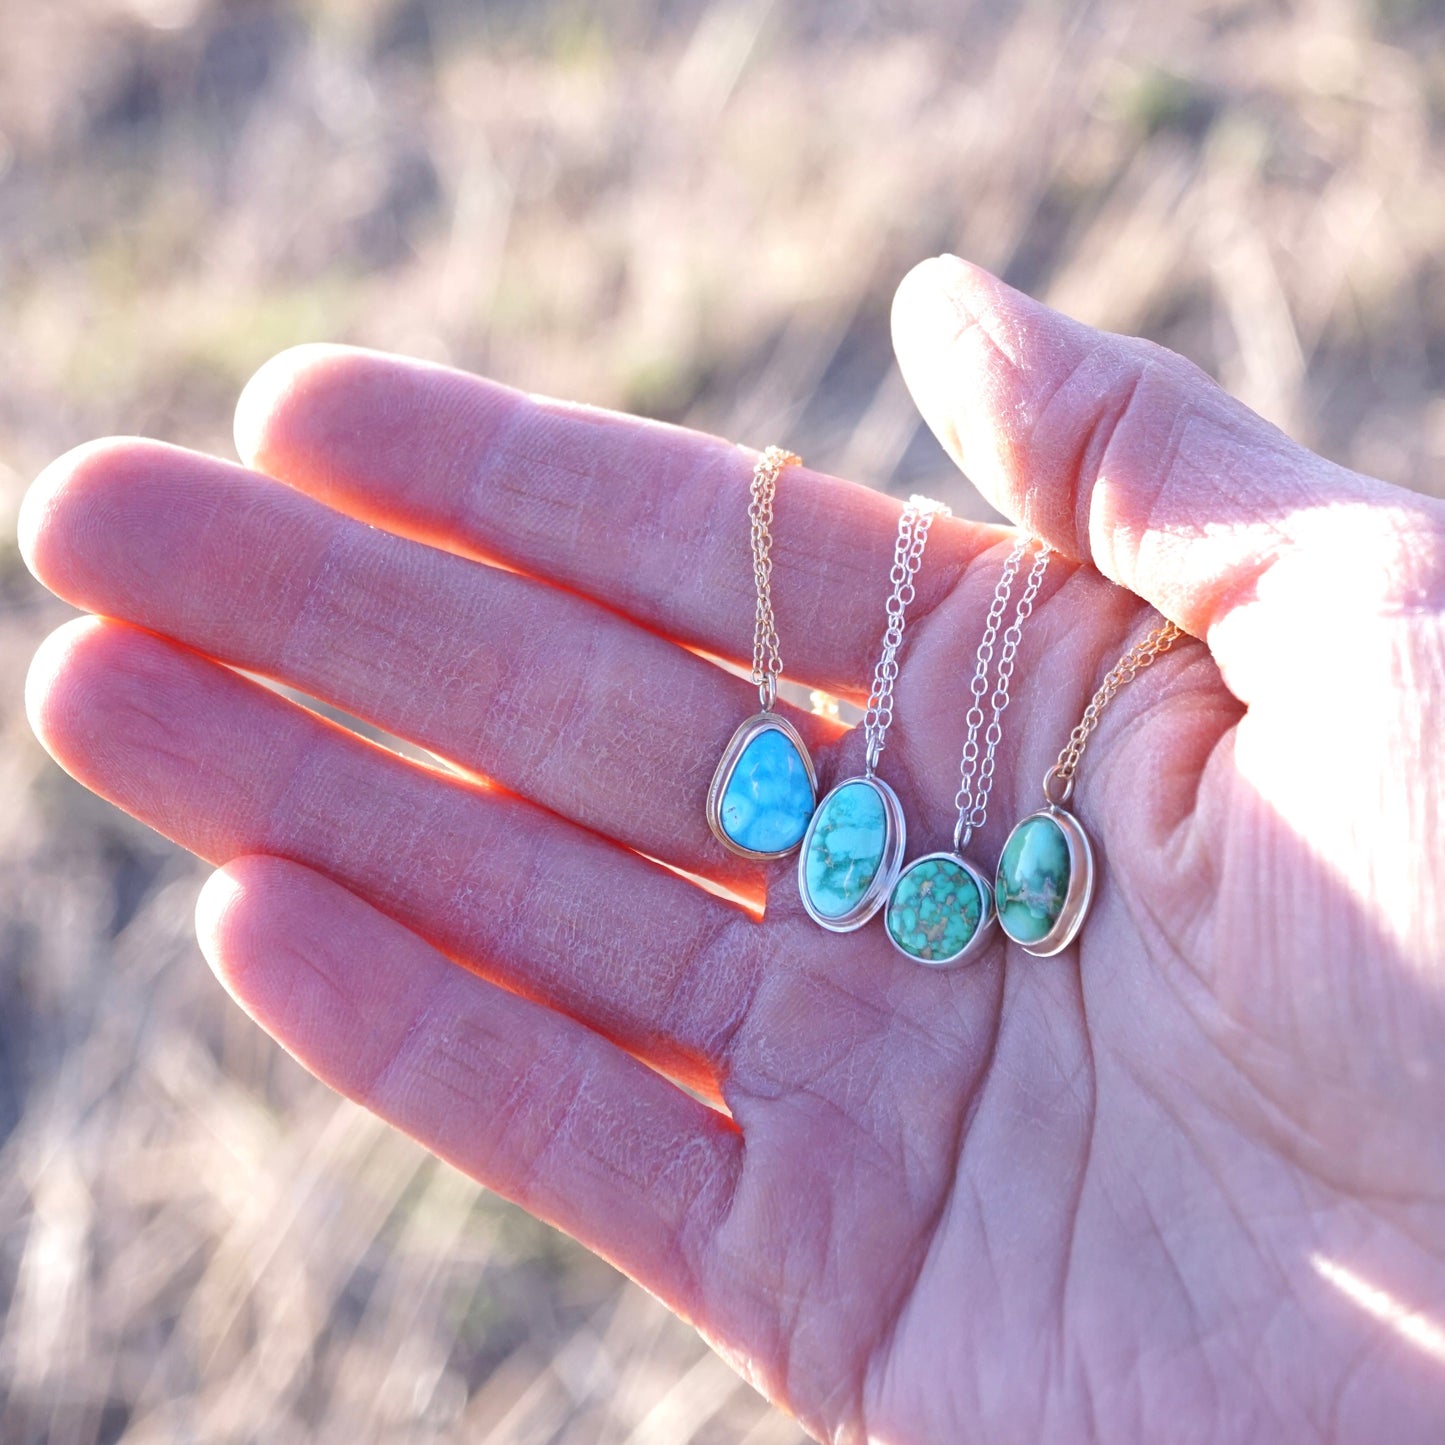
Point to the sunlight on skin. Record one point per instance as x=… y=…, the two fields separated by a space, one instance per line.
x=749 y=901
x=1413 y=1327
x=1365 y=862
x=823 y=705
x=920 y=1183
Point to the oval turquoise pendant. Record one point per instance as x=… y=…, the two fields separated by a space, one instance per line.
x=763 y=790
x=851 y=853
x=940 y=910
x=1045 y=882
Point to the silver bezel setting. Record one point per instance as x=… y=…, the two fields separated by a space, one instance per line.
x=754 y=727
x=986 y=917
x=1081 y=884
x=894 y=841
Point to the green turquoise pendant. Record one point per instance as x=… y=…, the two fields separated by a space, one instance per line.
x=763 y=790
x=851 y=853
x=1045 y=882
x=940 y=911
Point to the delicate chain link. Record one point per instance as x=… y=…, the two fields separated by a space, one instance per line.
x=1138 y=657
x=965 y=800
x=913 y=528
x=767 y=659
x=976 y=772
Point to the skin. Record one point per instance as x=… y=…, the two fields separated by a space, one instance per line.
x=1184 y=1181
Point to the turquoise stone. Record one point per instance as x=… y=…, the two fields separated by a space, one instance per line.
x=769 y=798
x=1032 y=883
x=934 y=909
x=844 y=854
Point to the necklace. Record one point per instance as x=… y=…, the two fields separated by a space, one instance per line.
x=764 y=788
x=940 y=911
x=854 y=844
x=1045 y=879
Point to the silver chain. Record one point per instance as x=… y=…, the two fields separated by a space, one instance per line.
x=913 y=528
x=976 y=771
x=767 y=659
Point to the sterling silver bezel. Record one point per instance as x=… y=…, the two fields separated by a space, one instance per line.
x=894 y=840
x=985 y=918
x=746 y=731
x=1081 y=884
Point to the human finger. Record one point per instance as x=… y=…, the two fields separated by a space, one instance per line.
x=649 y=519
x=1121 y=453
x=226 y=767
x=527 y=1101
x=554 y=697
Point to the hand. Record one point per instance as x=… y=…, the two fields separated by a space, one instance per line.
x=1184 y=1181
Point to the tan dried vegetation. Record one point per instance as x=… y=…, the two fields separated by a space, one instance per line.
x=697 y=210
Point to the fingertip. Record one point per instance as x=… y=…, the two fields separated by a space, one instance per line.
x=362 y=430
x=219 y=910
x=277 y=393
x=279 y=937
x=957 y=332
x=945 y=295
x=36 y=508
x=293 y=949
x=103 y=698
x=238 y=912
x=55 y=681
x=54 y=511
x=1015 y=392
x=917 y=307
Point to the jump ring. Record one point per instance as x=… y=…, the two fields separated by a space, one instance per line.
x=1057 y=775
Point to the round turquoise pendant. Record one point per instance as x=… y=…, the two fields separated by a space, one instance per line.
x=1045 y=882
x=851 y=854
x=940 y=911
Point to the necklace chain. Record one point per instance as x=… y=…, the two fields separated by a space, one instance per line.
x=976 y=770
x=767 y=658
x=913 y=527
x=1059 y=780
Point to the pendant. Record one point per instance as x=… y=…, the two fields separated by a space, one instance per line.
x=1045 y=881
x=763 y=790
x=940 y=911
x=851 y=854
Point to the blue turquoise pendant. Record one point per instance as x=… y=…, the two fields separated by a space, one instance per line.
x=851 y=854
x=763 y=790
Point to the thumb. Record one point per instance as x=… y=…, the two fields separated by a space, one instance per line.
x=1125 y=455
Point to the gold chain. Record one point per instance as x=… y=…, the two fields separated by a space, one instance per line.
x=767 y=659
x=1138 y=657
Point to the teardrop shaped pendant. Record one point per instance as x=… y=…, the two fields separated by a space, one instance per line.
x=851 y=853
x=940 y=910
x=1045 y=881
x=763 y=790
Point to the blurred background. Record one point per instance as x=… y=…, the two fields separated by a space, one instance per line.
x=696 y=209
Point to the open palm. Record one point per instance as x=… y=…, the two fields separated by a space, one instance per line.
x=1184 y=1181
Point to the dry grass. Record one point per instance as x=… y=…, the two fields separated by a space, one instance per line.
x=693 y=209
